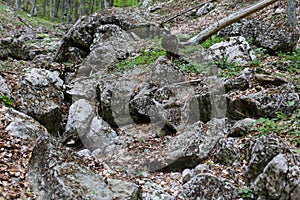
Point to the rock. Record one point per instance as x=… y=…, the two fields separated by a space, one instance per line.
x=207 y=186
x=84 y=125
x=57 y=173
x=239 y=82
x=123 y=189
x=205 y=9
x=155 y=8
x=152 y=191
x=21 y=125
x=40 y=95
x=242 y=127
x=187 y=174
x=157 y=93
x=10 y=47
x=109 y=45
x=82 y=88
x=261 y=153
x=5 y=89
x=80 y=116
x=236 y=50
x=280 y=178
x=227 y=152
x=265 y=35
x=193 y=145
x=84 y=152
x=201 y=168
x=264 y=79
x=263 y=103
x=82 y=34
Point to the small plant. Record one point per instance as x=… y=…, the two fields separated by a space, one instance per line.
x=289 y=61
x=145 y=57
x=288 y=126
x=193 y=67
x=5 y=100
x=228 y=68
x=245 y=193
x=139 y=174
x=211 y=41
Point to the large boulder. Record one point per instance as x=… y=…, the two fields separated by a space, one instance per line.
x=21 y=125
x=194 y=145
x=280 y=178
x=58 y=173
x=236 y=50
x=267 y=36
x=10 y=47
x=261 y=153
x=264 y=103
x=40 y=95
x=86 y=30
x=206 y=186
x=83 y=124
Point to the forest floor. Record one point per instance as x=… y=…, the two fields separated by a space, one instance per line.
x=15 y=153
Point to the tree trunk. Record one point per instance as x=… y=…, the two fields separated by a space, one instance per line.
x=235 y=17
x=82 y=7
x=33 y=8
x=292 y=14
x=91 y=6
x=76 y=10
x=44 y=7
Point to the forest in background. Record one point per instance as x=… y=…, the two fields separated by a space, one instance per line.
x=67 y=11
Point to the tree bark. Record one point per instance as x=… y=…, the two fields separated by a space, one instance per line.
x=292 y=14
x=234 y=17
x=44 y=8
x=33 y=8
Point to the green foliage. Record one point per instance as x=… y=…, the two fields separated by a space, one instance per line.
x=245 y=193
x=211 y=41
x=289 y=61
x=145 y=58
x=5 y=100
x=125 y=3
x=192 y=67
x=282 y=125
x=139 y=174
x=228 y=68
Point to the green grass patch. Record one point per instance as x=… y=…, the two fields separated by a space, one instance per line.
x=144 y=58
x=289 y=62
x=5 y=100
x=281 y=125
x=211 y=41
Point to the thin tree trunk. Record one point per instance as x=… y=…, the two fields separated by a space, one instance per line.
x=33 y=8
x=44 y=7
x=76 y=10
x=91 y=6
x=292 y=13
x=235 y=17
x=82 y=7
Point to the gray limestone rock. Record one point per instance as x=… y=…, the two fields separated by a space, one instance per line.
x=58 y=173
x=40 y=95
x=261 y=153
x=193 y=145
x=207 y=186
x=267 y=36
x=280 y=178
x=22 y=125
x=242 y=127
x=236 y=50
x=11 y=47
x=227 y=152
